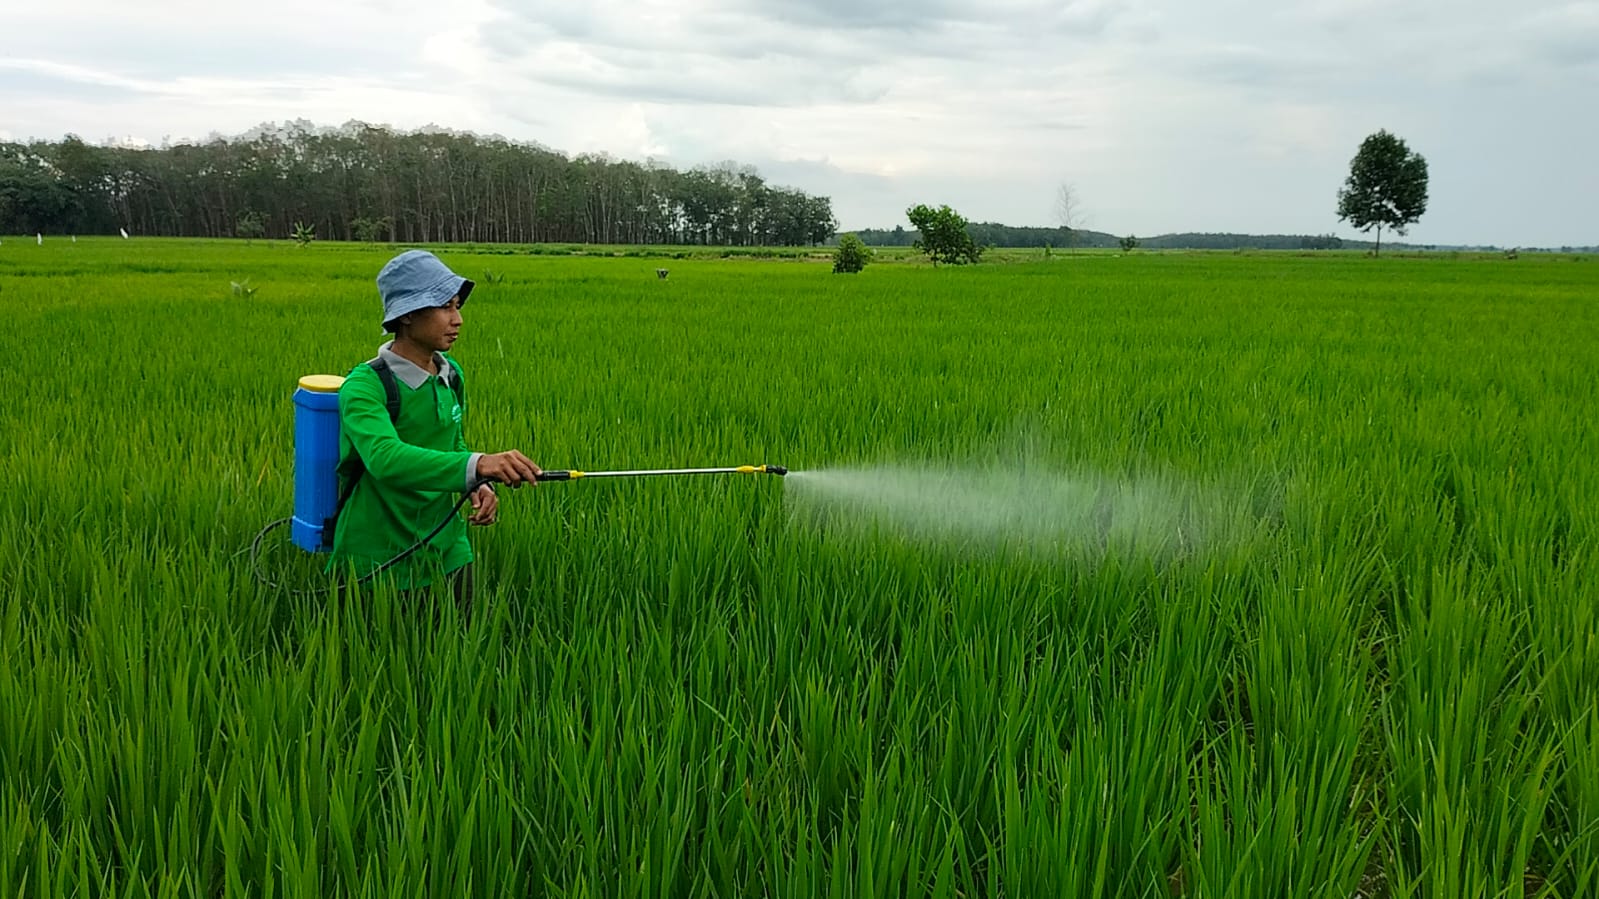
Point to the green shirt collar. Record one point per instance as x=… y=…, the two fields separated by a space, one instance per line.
x=412 y=374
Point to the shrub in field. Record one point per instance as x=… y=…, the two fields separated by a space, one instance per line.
x=851 y=255
x=250 y=225
x=304 y=234
x=369 y=230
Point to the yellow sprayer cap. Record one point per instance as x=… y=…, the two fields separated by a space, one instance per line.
x=322 y=383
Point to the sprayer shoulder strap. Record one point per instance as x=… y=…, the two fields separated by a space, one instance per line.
x=391 y=389
x=355 y=468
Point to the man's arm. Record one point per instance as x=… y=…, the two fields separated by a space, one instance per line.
x=365 y=420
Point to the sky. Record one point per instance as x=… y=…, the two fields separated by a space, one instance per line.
x=1161 y=115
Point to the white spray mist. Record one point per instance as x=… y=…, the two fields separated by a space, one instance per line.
x=1039 y=512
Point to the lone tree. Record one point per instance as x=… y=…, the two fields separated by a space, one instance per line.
x=1068 y=212
x=943 y=235
x=1387 y=185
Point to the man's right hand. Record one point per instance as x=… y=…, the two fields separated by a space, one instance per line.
x=509 y=467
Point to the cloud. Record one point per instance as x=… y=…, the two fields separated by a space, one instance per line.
x=25 y=77
x=1235 y=115
x=951 y=18
x=648 y=55
x=1565 y=36
x=885 y=89
x=765 y=55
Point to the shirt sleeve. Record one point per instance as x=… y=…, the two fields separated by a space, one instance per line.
x=460 y=432
x=389 y=459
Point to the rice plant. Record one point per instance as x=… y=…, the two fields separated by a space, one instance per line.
x=1167 y=575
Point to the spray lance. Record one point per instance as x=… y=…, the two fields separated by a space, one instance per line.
x=639 y=473
x=316 y=459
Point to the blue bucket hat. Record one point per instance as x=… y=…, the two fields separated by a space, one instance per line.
x=416 y=279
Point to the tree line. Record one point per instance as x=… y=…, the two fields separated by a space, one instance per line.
x=991 y=234
x=1386 y=187
x=367 y=182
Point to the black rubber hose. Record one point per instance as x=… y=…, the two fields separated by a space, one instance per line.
x=255 y=548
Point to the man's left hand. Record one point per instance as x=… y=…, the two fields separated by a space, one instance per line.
x=485 y=505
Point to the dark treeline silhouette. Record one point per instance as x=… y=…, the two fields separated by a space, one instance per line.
x=366 y=182
x=994 y=234
x=1192 y=241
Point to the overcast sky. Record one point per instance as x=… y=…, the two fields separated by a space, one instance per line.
x=1165 y=115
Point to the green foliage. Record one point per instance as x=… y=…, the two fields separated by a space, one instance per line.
x=304 y=234
x=371 y=230
x=368 y=182
x=1324 y=634
x=851 y=255
x=1387 y=185
x=943 y=235
x=250 y=225
x=1128 y=243
x=33 y=198
x=994 y=234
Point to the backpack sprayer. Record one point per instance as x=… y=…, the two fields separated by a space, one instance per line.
x=316 y=482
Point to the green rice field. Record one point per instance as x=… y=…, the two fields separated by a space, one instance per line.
x=1157 y=575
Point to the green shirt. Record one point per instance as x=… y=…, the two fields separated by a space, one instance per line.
x=415 y=472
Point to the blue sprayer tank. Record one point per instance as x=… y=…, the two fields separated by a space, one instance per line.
x=316 y=458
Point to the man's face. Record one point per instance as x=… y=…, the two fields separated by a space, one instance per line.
x=436 y=328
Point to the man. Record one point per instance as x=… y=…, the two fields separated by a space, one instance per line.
x=403 y=467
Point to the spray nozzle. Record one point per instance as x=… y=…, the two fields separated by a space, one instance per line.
x=760 y=469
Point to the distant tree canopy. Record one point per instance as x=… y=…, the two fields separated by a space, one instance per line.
x=986 y=234
x=997 y=235
x=367 y=182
